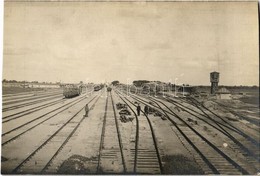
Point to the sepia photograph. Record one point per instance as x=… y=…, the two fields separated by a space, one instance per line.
x=130 y=87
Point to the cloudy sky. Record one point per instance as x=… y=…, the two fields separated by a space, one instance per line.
x=53 y=41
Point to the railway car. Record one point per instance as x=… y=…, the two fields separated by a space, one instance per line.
x=98 y=87
x=70 y=91
x=109 y=89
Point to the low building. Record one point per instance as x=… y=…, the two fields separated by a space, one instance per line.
x=223 y=94
x=39 y=85
x=185 y=90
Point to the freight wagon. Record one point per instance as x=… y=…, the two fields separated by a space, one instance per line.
x=109 y=89
x=71 y=90
x=98 y=87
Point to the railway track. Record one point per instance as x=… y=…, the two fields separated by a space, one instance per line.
x=249 y=148
x=147 y=157
x=29 y=96
x=111 y=156
x=51 y=147
x=202 y=112
x=204 y=109
x=209 y=153
x=30 y=110
x=248 y=145
x=253 y=121
x=20 y=130
x=22 y=93
x=30 y=103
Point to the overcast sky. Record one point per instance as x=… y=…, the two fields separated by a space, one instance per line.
x=128 y=41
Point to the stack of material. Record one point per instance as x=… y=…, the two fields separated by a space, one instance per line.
x=125 y=111
x=192 y=121
x=125 y=119
x=125 y=114
x=177 y=109
x=151 y=110
x=157 y=113
x=151 y=103
x=120 y=106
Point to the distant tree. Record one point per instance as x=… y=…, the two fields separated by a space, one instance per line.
x=140 y=83
x=194 y=90
x=13 y=81
x=4 y=80
x=115 y=83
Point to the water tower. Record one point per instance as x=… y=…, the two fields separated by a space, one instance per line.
x=214 y=79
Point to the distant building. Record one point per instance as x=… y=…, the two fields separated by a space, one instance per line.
x=39 y=85
x=224 y=94
x=186 y=90
x=31 y=85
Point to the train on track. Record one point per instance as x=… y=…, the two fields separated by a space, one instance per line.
x=98 y=87
x=72 y=90
x=109 y=89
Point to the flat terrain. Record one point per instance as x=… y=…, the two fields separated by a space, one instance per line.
x=45 y=133
x=15 y=90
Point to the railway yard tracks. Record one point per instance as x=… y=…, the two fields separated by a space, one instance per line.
x=54 y=139
x=17 y=131
x=229 y=130
x=12 y=107
x=42 y=132
x=227 y=157
x=237 y=136
x=15 y=100
x=111 y=149
x=146 y=154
